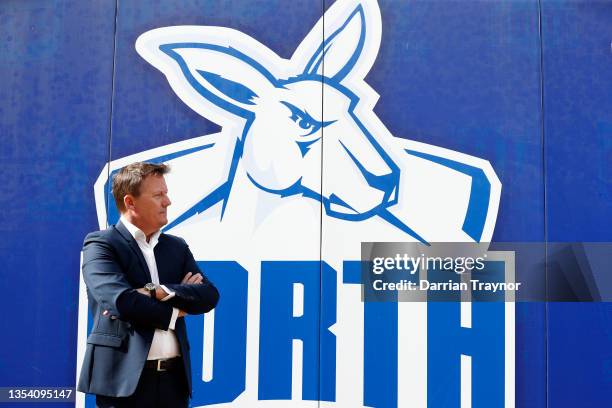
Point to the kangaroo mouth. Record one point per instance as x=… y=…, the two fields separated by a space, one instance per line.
x=338 y=207
x=336 y=204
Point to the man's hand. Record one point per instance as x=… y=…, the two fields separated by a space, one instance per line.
x=160 y=293
x=191 y=278
x=143 y=291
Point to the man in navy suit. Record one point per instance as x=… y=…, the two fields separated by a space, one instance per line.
x=140 y=284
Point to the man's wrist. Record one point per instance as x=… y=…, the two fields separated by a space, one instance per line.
x=160 y=293
x=152 y=289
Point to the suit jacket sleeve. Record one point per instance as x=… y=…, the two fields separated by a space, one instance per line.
x=107 y=283
x=193 y=298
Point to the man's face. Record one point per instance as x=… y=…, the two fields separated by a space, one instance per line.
x=149 y=208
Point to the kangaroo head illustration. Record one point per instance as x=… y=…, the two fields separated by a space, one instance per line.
x=290 y=116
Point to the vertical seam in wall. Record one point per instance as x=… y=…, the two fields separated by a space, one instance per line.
x=110 y=120
x=321 y=206
x=545 y=204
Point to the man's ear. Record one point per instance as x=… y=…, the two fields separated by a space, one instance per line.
x=128 y=202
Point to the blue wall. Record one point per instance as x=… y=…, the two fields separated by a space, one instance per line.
x=524 y=84
x=56 y=65
x=578 y=152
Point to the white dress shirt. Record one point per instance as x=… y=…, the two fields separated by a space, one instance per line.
x=165 y=344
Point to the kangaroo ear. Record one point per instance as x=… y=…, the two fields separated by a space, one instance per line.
x=222 y=75
x=341 y=50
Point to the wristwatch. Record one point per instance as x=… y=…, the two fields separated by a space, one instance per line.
x=151 y=288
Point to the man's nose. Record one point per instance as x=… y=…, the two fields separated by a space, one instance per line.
x=167 y=201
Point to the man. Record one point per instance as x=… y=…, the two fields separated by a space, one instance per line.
x=140 y=284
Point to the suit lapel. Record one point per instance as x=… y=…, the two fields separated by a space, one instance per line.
x=160 y=258
x=135 y=248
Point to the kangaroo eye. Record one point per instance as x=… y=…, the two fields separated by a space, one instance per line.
x=304 y=123
x=303 y=119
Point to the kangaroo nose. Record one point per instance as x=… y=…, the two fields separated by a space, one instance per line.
x=386 y=182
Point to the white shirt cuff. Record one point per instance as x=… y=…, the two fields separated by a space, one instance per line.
x=169 y=292
x=175 y=313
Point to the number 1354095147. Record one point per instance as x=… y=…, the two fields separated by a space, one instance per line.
x=38 y=394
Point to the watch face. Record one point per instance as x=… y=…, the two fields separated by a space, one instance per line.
x=150 y=286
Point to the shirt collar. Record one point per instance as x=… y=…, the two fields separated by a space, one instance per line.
x=137 y=233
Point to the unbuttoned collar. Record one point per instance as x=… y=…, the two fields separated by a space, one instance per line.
x=140 y=236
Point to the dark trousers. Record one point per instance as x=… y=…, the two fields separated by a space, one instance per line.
x=155 y=389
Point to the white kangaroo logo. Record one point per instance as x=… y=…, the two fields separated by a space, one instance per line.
x=304 y=127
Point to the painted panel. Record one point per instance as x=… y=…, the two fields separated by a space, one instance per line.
x=210 y=90
x=456 y=117
x=578 y=134
x=56 y=64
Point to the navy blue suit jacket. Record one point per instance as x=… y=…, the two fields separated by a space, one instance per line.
x=117 y=348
